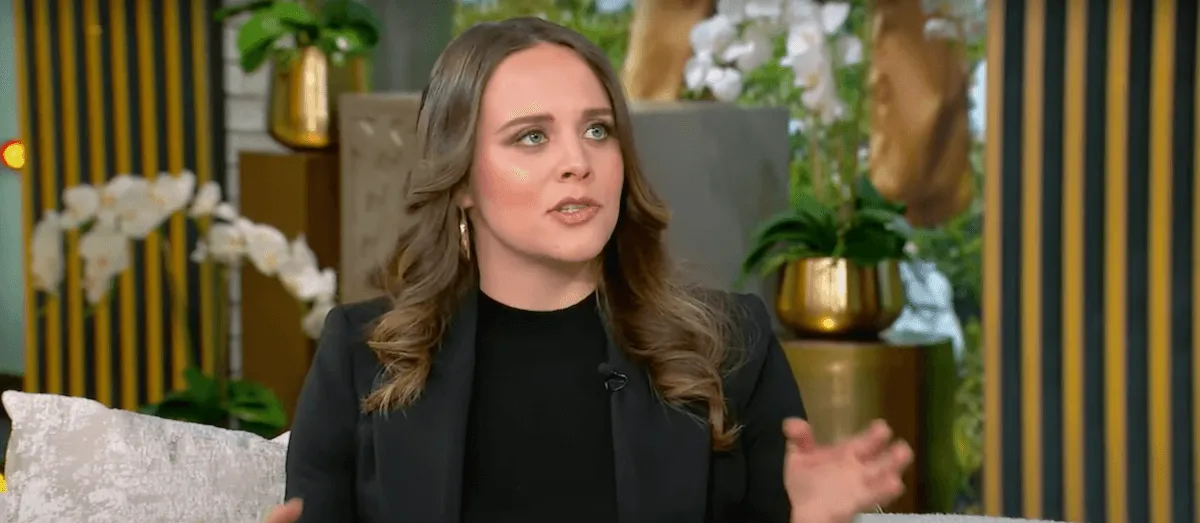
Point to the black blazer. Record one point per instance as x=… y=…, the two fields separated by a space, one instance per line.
x=407 y=466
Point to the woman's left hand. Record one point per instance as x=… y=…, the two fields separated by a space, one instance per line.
x=833 y=484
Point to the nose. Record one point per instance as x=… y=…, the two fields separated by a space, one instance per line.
x=575 y=161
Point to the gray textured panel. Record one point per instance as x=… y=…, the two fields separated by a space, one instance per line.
x=377 y=150
x=722 y=169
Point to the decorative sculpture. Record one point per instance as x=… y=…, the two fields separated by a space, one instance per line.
x=659 y=46
x=919 y=139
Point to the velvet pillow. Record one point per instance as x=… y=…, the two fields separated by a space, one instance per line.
x=74 y=459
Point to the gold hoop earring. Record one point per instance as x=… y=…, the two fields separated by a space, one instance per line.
x=464 y=235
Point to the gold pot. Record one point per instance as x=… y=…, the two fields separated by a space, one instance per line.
x=832 y=297
x=304 y=94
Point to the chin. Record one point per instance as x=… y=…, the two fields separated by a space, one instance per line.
x=577 y=248
x=576 y=254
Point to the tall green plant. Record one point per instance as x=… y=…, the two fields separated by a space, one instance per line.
x=342 y=29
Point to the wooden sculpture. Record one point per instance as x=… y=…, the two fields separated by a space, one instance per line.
x=920 y=143
x=659 y=46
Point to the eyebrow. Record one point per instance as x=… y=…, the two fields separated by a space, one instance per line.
x=543 y=118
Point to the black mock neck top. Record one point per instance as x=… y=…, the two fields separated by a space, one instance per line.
x=539 y=436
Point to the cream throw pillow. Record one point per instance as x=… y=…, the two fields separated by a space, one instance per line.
x=73 y=459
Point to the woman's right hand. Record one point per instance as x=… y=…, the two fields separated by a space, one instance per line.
x=286 y=513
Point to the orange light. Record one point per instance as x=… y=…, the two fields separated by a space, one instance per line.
x=12 y=154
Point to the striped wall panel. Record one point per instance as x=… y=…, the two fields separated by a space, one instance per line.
x=108 y=87
x=1091 y=291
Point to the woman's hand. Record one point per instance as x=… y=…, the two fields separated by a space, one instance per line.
x=836 y=483
x=286 y=513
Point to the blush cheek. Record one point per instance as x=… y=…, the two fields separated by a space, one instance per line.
x=506 y=194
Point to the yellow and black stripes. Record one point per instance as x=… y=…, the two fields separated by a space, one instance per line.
x=1091 y=293
x=120 y=87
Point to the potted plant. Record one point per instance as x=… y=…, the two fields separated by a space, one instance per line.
x=839 y=258
x=317 y=50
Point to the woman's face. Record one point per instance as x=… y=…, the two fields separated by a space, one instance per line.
x=547 y=174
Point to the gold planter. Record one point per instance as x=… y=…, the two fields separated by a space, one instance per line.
x=832 y=297
x=304 y=94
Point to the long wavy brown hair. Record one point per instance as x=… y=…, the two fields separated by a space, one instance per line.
x=680 y=334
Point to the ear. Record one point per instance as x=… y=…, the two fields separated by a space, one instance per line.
x=464 y=198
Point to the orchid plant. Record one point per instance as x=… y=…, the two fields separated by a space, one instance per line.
x=109 y=218
x=129 y=208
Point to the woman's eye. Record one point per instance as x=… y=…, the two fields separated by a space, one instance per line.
x=597 y=132
x=533 y=138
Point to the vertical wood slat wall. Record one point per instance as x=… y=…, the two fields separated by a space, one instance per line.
x=1092 y=237
x=113 y=87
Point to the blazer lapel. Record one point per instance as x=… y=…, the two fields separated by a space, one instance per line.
x=661 y=453
x=420 y=450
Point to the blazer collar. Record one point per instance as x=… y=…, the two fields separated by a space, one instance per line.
x=661 y=453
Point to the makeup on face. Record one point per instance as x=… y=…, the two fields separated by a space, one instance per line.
x=548 y=168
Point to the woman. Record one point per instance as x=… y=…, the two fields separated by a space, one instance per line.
x=534 y=361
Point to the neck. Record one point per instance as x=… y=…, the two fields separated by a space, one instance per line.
x=533 y=285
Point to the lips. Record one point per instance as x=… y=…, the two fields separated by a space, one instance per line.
x=574 y=205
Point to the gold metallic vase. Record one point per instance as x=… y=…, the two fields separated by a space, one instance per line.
x=304 y=94
x=834 y=298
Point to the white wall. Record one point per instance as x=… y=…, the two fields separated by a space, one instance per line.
x=12 y=286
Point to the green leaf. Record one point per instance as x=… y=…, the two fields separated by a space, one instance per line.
x=350 y=15
x=225 y=13
x=182 y=406
x=341 y=44
x=257 y=37
x=295 y=16
x=200 y=386
x=254 y=403
x=870 y=198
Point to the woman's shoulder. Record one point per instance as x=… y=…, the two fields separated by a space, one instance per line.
x=344 y=337
x=752 y=340
x=746 y=315
x=362 y=313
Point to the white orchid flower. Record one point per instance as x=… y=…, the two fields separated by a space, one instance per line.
x=226 y=243
x=732 y=10
x=105 y=254
x=266 y=247
x=724 y=83
x=711 y=36
x=309 y=284
x=172 y=193
x=849 y=50
x=803 y=39
x=695 y=71
x=752 y=51
x=137 y=214
x=208 y=197
x=225 y=212
x=46 y=253
x=764 y=9
x=110 y=195
x=314 y=321
x=200 y=252
x=299 y=267
x=833 y=16
x=80 y=204
x=941 y=29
